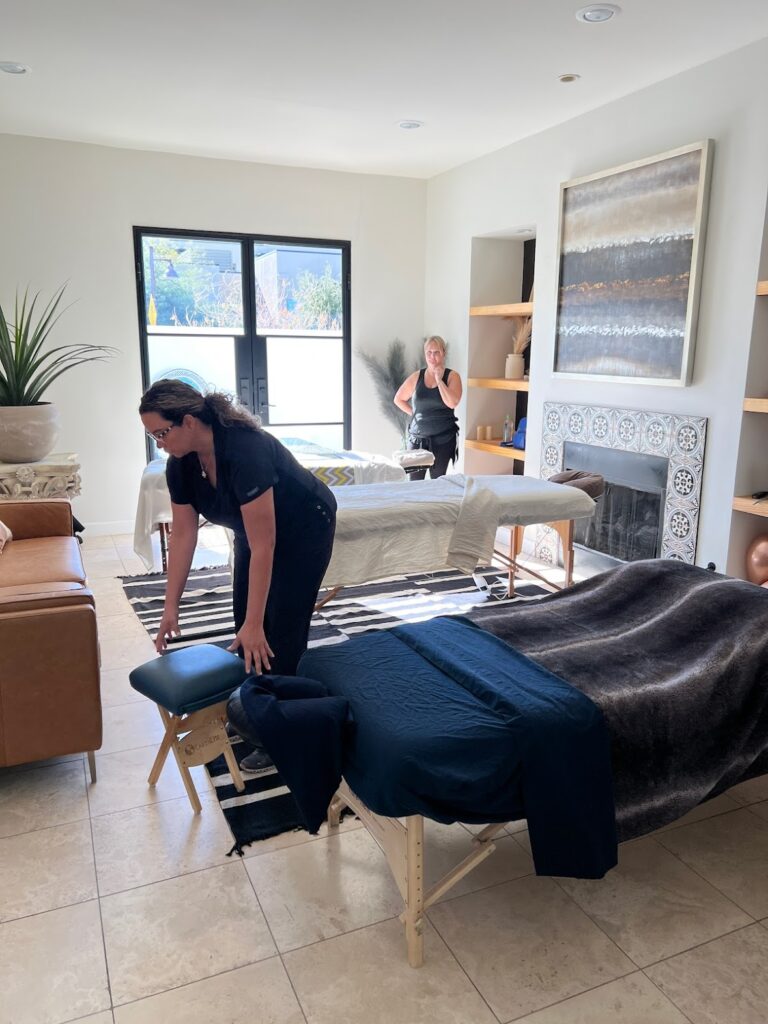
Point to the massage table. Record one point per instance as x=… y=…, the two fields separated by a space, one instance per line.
x=673 y=658
x=335 y=468
x=395 y=529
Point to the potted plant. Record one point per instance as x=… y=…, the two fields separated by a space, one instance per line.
x=29 y=426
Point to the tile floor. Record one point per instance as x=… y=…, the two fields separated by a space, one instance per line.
x=119 y=906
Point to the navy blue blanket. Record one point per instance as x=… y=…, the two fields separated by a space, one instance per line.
x=452 y=723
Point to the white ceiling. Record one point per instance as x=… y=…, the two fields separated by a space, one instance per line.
x=323 y=83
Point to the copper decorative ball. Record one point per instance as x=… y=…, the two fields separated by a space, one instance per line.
x=757 y=560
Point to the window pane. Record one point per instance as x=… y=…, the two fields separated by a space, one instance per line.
x=202 y=362
x=329 y=435
x=298 y=287
x=305 y=380
x=192 y=284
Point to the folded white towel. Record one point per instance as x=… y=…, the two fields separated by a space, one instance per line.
x=475 y=531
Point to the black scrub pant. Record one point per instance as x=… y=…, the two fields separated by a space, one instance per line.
x=444 y=452
x=298 y=569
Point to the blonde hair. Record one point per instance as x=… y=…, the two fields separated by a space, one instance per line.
x=435 y=339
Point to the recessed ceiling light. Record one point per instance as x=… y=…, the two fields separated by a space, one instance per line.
x=596 y=13
x=568 y=78
x=410 y=126
x=10 y=67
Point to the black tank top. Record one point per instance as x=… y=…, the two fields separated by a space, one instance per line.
x=431 y=416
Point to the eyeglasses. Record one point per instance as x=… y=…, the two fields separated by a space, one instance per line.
x=160 y=435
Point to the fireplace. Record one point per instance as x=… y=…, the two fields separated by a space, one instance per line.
x=629 y=518
x=652 y=464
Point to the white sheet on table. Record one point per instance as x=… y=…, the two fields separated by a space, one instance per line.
x=390 y=530
x=154 y=504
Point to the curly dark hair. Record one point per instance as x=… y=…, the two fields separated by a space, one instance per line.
x=174 y=400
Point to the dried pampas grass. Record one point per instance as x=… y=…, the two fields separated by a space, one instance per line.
x=521 y=337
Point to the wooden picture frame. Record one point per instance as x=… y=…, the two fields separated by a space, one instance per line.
x=631 y=246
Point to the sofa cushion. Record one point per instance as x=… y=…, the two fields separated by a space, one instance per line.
x=44 y=560
x=5 y=535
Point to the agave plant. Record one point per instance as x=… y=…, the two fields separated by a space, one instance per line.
x=26 y=369
x=388 y=374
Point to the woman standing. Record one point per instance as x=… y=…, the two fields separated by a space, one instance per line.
x=223 y=466
x=429 y=396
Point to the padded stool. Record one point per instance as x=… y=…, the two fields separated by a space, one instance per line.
x=191 y=688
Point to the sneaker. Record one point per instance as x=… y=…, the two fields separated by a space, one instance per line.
x=257 y=762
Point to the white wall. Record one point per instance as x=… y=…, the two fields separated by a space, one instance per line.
x=66 y=214
x=519 y=186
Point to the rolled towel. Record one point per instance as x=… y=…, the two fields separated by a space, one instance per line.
x=413 y=458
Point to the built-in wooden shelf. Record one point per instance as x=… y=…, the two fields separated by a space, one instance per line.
x=494 y=447
x=747 y=504
x=762 y=287
x=756 y=405
x=509 y=309
x=500 y=383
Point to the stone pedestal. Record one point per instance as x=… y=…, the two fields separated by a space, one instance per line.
x=57 y=476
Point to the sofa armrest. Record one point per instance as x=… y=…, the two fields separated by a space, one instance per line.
x=51 y=517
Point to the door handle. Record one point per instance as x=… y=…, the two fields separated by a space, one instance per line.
x=245 y=392
x=261 y=396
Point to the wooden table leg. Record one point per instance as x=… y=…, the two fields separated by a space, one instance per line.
x=564 y=530
x=516 y=535
x=164 y=530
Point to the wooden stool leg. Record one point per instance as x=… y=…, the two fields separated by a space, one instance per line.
x=186 y=778
x=234 y=767
x=167 y=742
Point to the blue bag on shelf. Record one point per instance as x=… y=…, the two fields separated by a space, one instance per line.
x=518 y=438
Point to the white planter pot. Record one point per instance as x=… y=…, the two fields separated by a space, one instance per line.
x=514 y=367
x=28 y=432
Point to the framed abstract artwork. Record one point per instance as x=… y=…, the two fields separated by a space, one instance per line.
x=631 y=249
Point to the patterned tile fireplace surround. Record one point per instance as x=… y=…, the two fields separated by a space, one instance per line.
x=679 y=439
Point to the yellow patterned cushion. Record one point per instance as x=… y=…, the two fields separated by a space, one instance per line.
x=334 y=476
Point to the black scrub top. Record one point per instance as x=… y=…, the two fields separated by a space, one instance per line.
x=248 y=463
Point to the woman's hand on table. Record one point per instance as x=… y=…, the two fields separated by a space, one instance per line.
x=169 y=627
x=256 y=650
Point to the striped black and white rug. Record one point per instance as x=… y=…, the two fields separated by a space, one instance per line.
x=205 y=613
x=266 y=808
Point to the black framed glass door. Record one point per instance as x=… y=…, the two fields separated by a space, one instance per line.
x=266 y=319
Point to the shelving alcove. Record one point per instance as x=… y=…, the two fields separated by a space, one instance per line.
x=515 y=389
x=753 y=466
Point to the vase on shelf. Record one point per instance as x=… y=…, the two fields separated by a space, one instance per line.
x=514 y=367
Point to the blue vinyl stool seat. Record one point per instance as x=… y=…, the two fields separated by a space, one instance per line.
x=191 y=687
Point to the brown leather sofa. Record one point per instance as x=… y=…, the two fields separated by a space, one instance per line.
x=50 y=701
